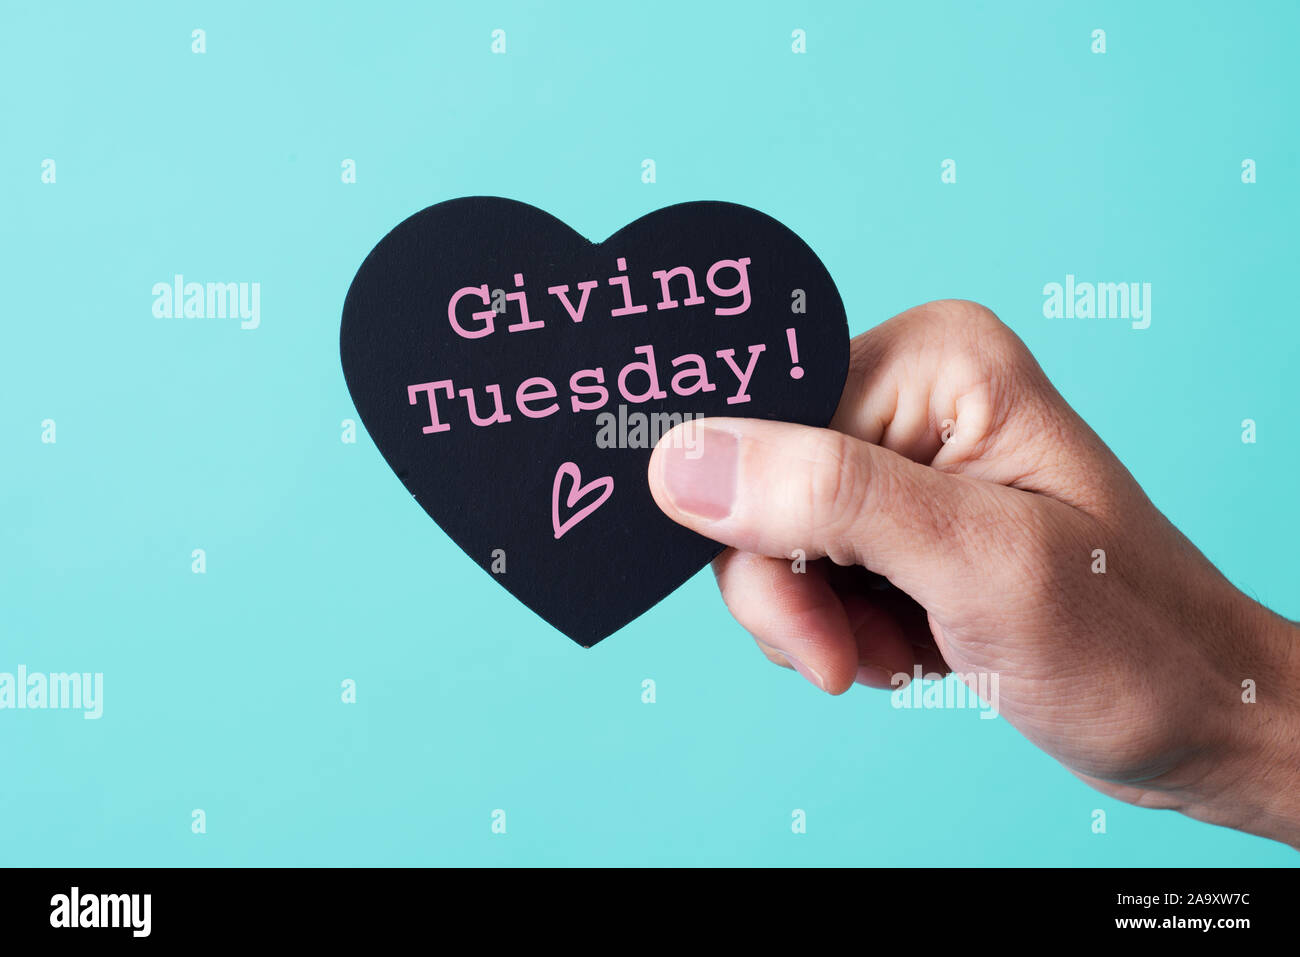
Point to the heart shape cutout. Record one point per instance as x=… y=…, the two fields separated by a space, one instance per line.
x=494 y=355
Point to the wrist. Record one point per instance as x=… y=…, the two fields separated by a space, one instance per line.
x=1247 y=775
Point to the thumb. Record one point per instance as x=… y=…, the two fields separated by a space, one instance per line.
x=770 y=488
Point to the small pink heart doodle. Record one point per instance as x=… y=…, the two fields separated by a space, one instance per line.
x=579 y=491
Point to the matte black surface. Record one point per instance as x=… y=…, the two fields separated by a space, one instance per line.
x=490 y=487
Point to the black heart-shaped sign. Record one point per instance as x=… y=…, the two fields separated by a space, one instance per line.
x=516 y=377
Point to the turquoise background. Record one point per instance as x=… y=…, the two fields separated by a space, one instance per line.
x=222 y=691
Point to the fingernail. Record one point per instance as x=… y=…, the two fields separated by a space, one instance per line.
x=804 y=670
x=874 y=677
x=702 y=480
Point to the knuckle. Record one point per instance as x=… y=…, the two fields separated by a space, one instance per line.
x=971 y=317
x=972 y=323
x=837 y=486
x=955 y=315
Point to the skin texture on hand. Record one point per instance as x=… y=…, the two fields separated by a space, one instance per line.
x=957 y=472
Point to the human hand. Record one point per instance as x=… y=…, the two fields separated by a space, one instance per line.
x=955 y=470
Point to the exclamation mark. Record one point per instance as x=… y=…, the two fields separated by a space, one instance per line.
x=796 y=370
